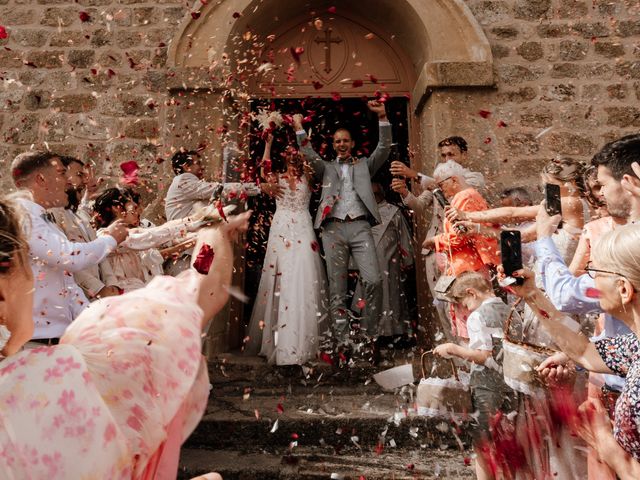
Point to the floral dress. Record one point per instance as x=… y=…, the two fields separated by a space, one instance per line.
x=116 y=398
x=622 y=355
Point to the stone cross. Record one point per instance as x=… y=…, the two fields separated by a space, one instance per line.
x=327 y=40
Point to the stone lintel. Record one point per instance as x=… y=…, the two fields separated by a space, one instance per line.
x=196 y=78
x=436 y=75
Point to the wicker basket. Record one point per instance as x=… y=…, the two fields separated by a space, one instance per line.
x=443 y=397
x=520 y=360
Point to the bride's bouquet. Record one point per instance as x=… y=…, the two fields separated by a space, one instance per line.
x=268 y=120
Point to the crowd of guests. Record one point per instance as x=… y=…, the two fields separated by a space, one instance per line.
x=94 y=332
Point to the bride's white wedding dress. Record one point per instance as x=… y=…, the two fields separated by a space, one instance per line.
x=290 y=309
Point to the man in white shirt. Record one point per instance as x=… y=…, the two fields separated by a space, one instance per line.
x=57 y=298
x=189 y=190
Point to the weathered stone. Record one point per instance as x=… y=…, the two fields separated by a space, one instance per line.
x=598 y=70
x=54 y=128
x=155 y=80
x=571 y=50
x=81 y=58
x=591 y=93
x=547 y=30
x=30 y=37
x=565 y=70
x=568 y=143
x=94 y=3
x=532 y=9
x=21 y=129
x=505 y=33
x=572 y=9
x=579 y=116
x=59 y=17
x=154 y=37
x=628 y=69
x=623 y=116
x=93 y=128
x=10 y=58
x=10 y=99
x=490 y=11
x=13 y=16
x=515 y=74
x=636 y=88
x=127 y=104
x=122 y=151
x=617 y=91
x=609 y=49
x=559 y=93
x=500 y=51
x=591 y=30
x=69 y=38
x=522 y=143
x=628 y=28
x=74 y=103
x=536 y=117
x=37 y=99
x=126 y=39
x=101 y=37
x=174 y=15
x=110 y=58
x=159 y=59
x=531 y=51
x=521 y=95
x=44 y=58
x=142 y=128
x=608 y=7
x=146 y=16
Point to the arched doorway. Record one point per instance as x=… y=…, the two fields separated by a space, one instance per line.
x=232 y=51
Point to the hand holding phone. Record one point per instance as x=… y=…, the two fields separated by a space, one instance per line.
x=553 y=202
x=511 y=252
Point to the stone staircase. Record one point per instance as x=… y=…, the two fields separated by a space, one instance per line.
x=267 y=422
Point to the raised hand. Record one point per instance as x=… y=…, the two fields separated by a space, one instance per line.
x=378 y=108
x=272 y=189
x=398 y=185
x=527 y=288
x=236 y=224
x=546 y=225
x=118 y=230
x=401 y=170
x=297 y=122
x=454 y=215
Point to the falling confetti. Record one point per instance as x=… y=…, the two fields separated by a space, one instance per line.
x=204 y=259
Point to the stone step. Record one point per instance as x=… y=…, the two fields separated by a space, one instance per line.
x=340 y=418
x=316 y=464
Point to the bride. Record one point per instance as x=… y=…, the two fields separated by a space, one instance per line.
x=290 y=307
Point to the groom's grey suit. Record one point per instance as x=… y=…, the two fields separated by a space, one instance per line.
x=346 y=213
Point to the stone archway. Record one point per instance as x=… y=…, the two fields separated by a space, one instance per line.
x=421 y=47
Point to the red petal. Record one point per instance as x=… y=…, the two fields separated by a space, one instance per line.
x=484 y=113
x=501 y=124
x=129 y=167
x=372 y=78
x=360 y=304
x=3 y=33
x=84 y=16
x=325 y=211
x=220 y=210
x=204 y=259
x=237 y=14
x=357 y=83
x=336 y=96
x=314 y=246
x=487 y=140
x=195 y=15
x=317 y=85
x=332 y=10
x=280 y=408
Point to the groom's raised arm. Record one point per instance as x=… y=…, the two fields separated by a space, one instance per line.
x=381 y=153
x=315 y=160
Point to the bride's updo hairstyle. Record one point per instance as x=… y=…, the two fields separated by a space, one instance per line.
x=568 y=170
x=13 y=246
x=619 y=251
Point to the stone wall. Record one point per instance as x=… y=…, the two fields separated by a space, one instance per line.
x=89 y=77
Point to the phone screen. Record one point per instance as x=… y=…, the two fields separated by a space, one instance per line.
x=553 y=204
x=511 y=251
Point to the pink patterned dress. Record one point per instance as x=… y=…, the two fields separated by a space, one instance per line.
x=115 y=400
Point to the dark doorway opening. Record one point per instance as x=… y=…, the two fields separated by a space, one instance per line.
x=322 y=118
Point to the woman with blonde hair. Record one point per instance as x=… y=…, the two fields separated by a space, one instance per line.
x=126 y=385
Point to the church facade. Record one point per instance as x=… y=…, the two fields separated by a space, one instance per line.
x=118 y=80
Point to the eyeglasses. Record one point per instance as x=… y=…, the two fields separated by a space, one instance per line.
x=443 y=180
x=593 y=271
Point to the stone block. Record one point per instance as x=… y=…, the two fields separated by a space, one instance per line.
x=558 y=93
x=617 y=91
x=636 y=88
x=29 y=37
x=568 y=143
x=44 y=58
x=94 y=3
x=571 y=50
x=520 y=95
x=628 y=28
x=10 y=59
x=74 y=103
x=579 y=116
x=565 y=70
x=591 y=30
x=54 y=128
x=159 y=58
x=21 y=129
x=591 y=93
x=14 y=16
x=141 y=128
x=629 y=69
x=500 y=51
x=532 y=9
x=110 y=58
x=126 y=104
x=609 y=49
x=81 y=58
x=126 y=39
x=553 y=30
x=142 y=152
x=174 y=15
x=516 y=74
x=536 y=117
x=37 y=99
x=505 y=33
x=69 y=38
x=598 y=70
x=146 y=16
x=608 y=8
x=522 y=144
x=101 y=37
x=489 y=12
x=154 y=37
x=623 y=117
x=155 y=80
x=93 y=128
x=572 y=9
x=530 y=51
x=59 y=17
x=10 y=99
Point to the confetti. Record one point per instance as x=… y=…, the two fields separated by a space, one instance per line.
x=204 y=259
x=357 y=83
x=84 y=17
x=130 y=170
x=3 y=33
x=484 y=113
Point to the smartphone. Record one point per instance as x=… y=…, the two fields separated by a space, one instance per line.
x=439 y=195
x=511 y=252
x=553 y=205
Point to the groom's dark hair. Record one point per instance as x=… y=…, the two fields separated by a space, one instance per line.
x=343 y=129
x=182 y=159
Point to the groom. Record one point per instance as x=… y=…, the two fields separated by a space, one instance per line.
x=346 y=213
